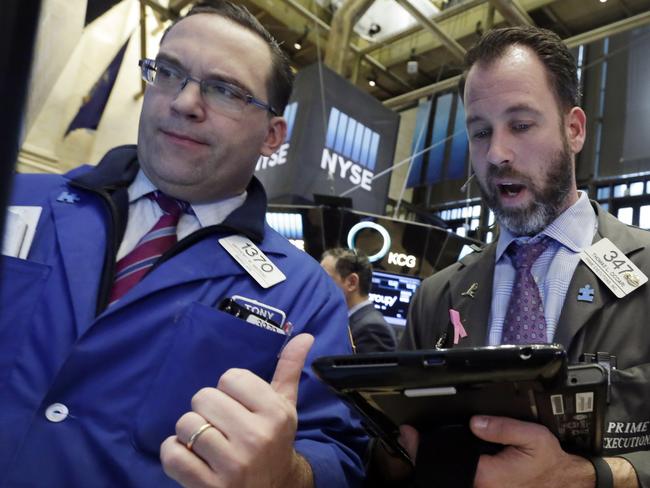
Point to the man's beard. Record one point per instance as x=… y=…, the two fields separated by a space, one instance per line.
x=548 y=202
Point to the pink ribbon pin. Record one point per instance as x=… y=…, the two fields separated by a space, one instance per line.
x=459 y=330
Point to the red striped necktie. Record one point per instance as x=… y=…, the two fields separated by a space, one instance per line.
x=161 y=237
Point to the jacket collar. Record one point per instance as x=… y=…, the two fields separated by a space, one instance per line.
x=79 y=231
x=119 y=167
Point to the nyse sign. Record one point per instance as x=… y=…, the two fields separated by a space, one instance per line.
x=357 y=175
x=351 y=150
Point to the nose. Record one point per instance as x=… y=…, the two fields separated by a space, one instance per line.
x=188 y=102
x=500 y=150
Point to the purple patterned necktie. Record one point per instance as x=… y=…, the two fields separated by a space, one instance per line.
x=161 y=237
x=525 y=322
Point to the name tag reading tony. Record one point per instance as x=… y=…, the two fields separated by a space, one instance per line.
x=613 y=268
x=253 y=260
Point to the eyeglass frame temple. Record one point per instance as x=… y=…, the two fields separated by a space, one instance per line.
x=146 y=64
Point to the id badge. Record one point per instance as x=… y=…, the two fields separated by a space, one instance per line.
x=613 y=268
x=260 y=309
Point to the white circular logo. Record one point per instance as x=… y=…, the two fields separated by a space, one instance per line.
x=352 y=234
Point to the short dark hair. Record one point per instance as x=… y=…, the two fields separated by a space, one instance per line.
x=553 y=53
x=280 y=82
x=350 y=261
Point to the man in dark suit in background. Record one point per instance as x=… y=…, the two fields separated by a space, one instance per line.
x=352 y=272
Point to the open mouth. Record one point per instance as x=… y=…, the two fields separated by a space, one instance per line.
x=510 y=189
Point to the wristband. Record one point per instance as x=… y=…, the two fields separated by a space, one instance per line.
x=604 y=477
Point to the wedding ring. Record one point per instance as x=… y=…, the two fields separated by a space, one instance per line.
x=197 y=433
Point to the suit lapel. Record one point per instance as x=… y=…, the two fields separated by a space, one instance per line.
x=576 y=314
x=476 y=279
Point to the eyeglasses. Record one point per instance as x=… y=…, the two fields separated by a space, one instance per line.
x=218 y=94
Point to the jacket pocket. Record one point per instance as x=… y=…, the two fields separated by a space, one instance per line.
x=627 y=423
x=21 y=290
x=206 y=343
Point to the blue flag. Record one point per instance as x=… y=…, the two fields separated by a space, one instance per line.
x=93 y=105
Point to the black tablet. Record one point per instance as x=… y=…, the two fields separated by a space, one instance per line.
x=434 y=388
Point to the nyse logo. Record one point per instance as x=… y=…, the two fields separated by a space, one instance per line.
x=399 y=259
x=347 y=169
x=279 y=157
x=350 y=150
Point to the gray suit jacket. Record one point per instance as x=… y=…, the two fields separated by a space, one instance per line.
x=617 y=326
x=371 y=332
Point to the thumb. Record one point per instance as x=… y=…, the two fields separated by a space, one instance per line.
x=506 y=431
x=287 y=372
x=409 y=438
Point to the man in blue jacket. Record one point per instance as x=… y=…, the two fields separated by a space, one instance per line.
x=126 y=336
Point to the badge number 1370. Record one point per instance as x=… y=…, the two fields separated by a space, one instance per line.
x=253 y=260
x=613 y=268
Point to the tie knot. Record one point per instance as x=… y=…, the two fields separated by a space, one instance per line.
x=524 y=255
x=169 y=205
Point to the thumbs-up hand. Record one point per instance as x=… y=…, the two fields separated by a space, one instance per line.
x=241 y=433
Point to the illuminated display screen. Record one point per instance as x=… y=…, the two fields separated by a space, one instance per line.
x=392 y=294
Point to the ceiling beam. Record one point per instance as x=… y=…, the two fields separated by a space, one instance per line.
x=336 y=52
x=451 y=44
x=635 y=22
x=326 y=28
x=444 y=15
x=462 y=27
x=178 y=5
x=512 y=12
x=164 y=12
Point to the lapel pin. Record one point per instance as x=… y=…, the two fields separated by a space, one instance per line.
x=471 y=291
x=586 y=294
x=459 y=330
x=67 y=197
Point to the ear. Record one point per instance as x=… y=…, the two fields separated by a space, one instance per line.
x=275 y=135
x=352 y=282
x=575 y=125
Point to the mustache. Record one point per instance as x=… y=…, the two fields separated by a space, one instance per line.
x=504 y=172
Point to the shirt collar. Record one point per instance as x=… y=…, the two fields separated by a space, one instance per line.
x=358 y=306
x=212 y=213
x=563 y=229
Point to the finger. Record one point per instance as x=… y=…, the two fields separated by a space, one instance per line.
x=208 y=445
x=225 y=413
x=292 y=360
x=409 y=438
x=248 y=389
x=183 y=466
x=507 y=431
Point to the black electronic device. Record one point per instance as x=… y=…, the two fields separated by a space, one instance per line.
x=232 y=307
x=429 y=389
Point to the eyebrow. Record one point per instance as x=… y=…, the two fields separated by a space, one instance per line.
x=514 y=109
x=168 y=58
